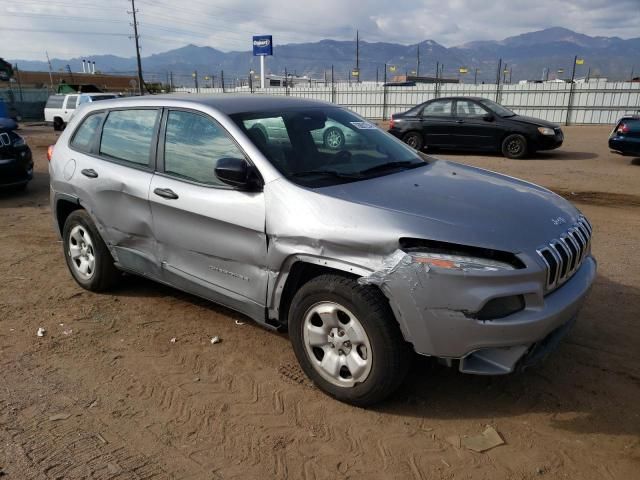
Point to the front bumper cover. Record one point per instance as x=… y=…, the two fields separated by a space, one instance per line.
x=432 y=308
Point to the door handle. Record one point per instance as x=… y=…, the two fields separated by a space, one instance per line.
x=89 y=172
x=459 y=121
x=166 y=193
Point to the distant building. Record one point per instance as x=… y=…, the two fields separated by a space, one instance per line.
x=76 y=81
x=422 y=79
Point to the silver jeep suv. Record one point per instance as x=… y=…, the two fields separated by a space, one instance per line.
x=364 y=253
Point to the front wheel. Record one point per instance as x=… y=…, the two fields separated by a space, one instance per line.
x=514 y=146
x=414 y=140
x=347 y=340
x=87 y=256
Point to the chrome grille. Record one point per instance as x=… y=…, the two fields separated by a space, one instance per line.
x=564 y=255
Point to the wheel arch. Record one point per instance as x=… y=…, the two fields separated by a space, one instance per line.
x=298 y=270
x=64 y=206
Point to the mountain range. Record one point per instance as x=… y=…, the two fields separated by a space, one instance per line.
x=525 y=56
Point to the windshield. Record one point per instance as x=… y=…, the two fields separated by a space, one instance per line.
x=318 y=147
x=497 y=108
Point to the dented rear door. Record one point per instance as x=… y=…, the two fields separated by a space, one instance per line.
x=113 y=171
x=210 y=236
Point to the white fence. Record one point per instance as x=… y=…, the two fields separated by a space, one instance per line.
x=585 y=103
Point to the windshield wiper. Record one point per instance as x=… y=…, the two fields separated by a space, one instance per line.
x=324 y=173
x=406 y=164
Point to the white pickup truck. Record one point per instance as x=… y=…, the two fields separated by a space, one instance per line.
x=61 y=107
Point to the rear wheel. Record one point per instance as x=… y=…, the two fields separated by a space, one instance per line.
x=87 y=256
x=58 y=124
x=414 y=140
x=514 y=146
x=347 y=340
x=333 y=138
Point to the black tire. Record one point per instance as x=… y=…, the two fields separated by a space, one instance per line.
x=333 y=138
x=414 y=140
x=390 y=355
x=514 y=146
x=104 y=274
x=58 y=124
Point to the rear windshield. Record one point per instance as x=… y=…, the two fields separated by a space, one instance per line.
x=102 y=97
x=55 y=101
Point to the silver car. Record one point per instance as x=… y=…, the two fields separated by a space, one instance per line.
x=365 y=253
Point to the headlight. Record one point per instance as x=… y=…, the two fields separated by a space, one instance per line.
x=19 y=141
x=459 y=262
x=546 y=131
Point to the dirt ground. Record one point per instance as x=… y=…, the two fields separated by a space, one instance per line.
x=106 y=394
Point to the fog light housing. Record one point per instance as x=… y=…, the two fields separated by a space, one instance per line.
x=500 y=307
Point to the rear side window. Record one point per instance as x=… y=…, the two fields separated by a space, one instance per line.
x=72 y=100
x=465 y=108
x=55 y=101
x=193 y=146
x=86 y=133
x=127 y=135
x=439 y=108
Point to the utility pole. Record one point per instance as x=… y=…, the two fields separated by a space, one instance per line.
x=631 y=79
x=504 y=73
x=418 y=63
x=385 y=73
x=51 y=76
x=376 y=75
x=137 y=39
x=475 y=77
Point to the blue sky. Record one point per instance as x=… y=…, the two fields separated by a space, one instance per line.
x=68 y=28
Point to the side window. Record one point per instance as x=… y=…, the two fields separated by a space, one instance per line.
x=465 y=108
x=128 y=134
x=193 y=146
x=439 y=108
x=72 y=100
x=86 y=133
x=55 y=101
x=83 y=99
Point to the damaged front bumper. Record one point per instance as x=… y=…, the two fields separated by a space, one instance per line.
x=438 y=312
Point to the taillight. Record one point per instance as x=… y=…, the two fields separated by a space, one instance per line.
x=623 y=128
x=391 y=124
x=49 y=152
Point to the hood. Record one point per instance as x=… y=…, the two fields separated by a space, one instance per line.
x=460 y=204
x=533 y=121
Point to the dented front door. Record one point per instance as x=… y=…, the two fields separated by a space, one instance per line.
x=211 y=237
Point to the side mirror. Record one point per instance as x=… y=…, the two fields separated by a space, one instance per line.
x=238 y=173
x=488 y=117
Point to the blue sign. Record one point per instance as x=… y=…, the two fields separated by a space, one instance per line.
x=262 y=45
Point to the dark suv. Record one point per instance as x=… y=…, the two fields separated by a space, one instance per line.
x=16 y=163
x=473 y=123
x=625 y=138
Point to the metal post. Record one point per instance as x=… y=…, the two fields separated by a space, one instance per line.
x=418 y=63
x=475 y=77
x=262 y=72
x=170 y=82
x=385 y=73
x=195 y=79
x=573 y=76
x=286 y=82
x=19 y=82
x=631 y=79
x=222 y=79
x=251 y=81
x=498 y=81
x=384 y=94
x=435 y=90
x=376 y=75
x=333 y=87
x=358 y=54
